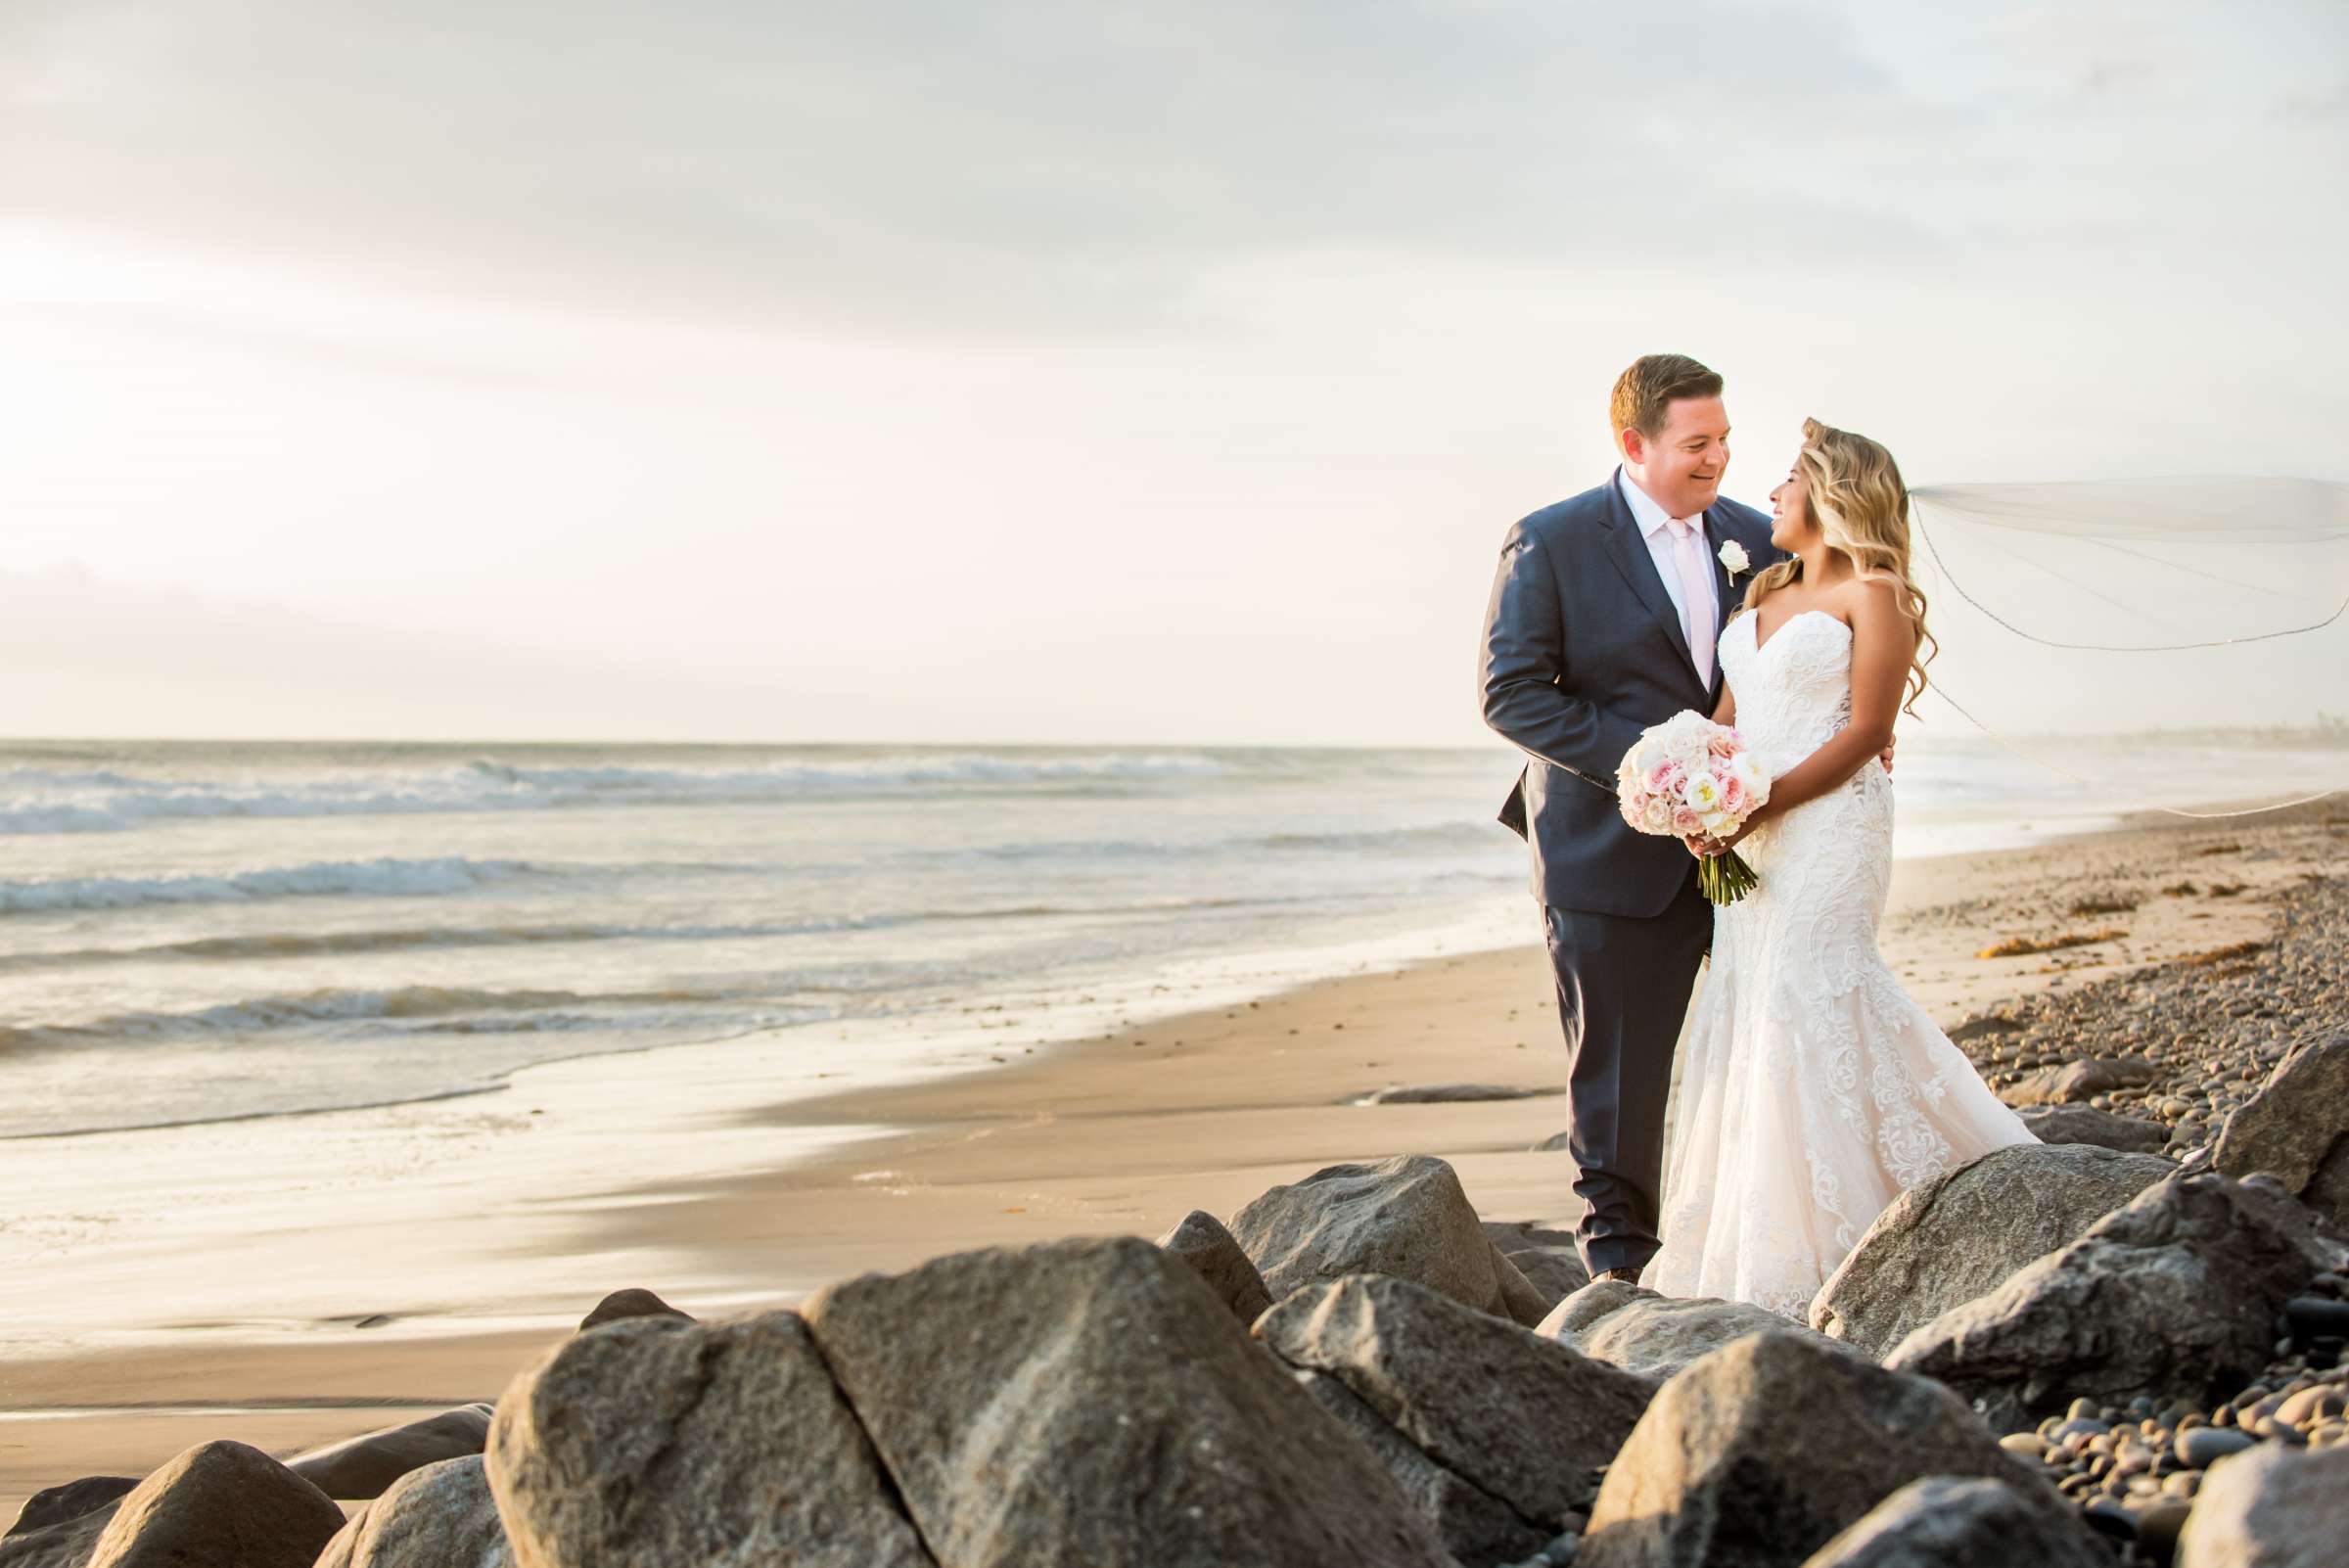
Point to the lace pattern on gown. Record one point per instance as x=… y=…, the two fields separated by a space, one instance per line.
x=1814 y=1089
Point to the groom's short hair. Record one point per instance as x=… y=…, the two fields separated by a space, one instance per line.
x=1653 y=382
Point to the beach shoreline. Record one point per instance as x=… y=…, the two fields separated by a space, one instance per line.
x=1119 y=1130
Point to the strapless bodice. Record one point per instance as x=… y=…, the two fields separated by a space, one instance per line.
x=1793 y=692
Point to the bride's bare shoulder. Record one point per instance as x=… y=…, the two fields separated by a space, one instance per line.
x=1864 y=599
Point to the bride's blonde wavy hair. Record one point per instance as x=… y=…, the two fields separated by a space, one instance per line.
x=1861 y=506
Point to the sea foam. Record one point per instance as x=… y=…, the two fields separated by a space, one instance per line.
x=382 y=877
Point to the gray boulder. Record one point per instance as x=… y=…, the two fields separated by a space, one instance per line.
x=1760 y=1453
x=1476 y=1527
x=363 y=1466
x=440 y=1516
x=70 y=1500
x=2085 y=1124
x=1200 y=1240
x=218 y=1506
x=1554 y=1275
x=1516 y=1235
x=1632 y=1327
x=1942 y=1522
x=1407 y=1216
x=1548 y=1259
x=653 y=1442
x=2270 y=1507
x=2079 y=1079
x=58 y=1526
x=1092 y=1401
x=1963 y=1234
x=61 y=1543
x=1585 y=1307
x=1448 y=1093
x=622 y=1304
x=1520 y=1417
x=2296 y=1127
x=2173 y=1296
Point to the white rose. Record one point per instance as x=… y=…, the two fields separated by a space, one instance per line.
x=1702 y=792
x=1659 y=815
x=1733 y=556
x=1719 y=824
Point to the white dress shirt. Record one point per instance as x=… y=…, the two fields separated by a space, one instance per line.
x=1652 y=519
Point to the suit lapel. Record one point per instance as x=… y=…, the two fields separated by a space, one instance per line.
x=1628 y=549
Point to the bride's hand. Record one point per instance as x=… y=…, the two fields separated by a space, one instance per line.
x=1702 y=846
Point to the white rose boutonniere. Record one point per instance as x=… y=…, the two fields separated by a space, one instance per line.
x=1733 y=556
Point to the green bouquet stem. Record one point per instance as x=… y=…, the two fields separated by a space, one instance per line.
x=1726 y=878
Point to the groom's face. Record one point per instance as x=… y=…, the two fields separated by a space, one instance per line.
x=1680 y=466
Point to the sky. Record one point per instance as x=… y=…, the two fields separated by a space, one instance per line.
x=1058 y=372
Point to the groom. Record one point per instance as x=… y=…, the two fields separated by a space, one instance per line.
x=1604 y=616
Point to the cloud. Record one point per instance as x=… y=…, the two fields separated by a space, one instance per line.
x=1052 y=371
x=934 y=168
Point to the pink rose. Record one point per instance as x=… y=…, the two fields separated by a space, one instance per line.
x=1721 y=742
x=1732 y=795
x=1685 y=822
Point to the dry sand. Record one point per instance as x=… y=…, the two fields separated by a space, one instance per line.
x=1120 y=1132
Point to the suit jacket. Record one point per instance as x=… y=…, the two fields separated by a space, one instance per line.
x=1584 y=649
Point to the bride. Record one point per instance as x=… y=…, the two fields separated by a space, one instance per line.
x=1814 y=1088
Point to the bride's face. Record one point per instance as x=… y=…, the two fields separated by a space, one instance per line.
x=1790 y=522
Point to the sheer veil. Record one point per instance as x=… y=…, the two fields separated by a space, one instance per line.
x=2076 y=618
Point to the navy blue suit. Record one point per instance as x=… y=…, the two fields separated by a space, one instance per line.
x=1582 y=650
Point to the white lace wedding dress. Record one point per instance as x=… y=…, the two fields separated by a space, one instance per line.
x=1814 y=1089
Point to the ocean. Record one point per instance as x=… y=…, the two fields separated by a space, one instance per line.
x=196 y=932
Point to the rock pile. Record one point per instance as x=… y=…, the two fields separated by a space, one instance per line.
x=2149 y=1458
x=2173 y=1296
x=1346 y=1374
x=2068 y=1354
x=2212 y=1030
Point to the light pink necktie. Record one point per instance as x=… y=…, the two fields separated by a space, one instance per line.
x=1696 y=594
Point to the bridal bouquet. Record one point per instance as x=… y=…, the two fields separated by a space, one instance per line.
x=1689 y=776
